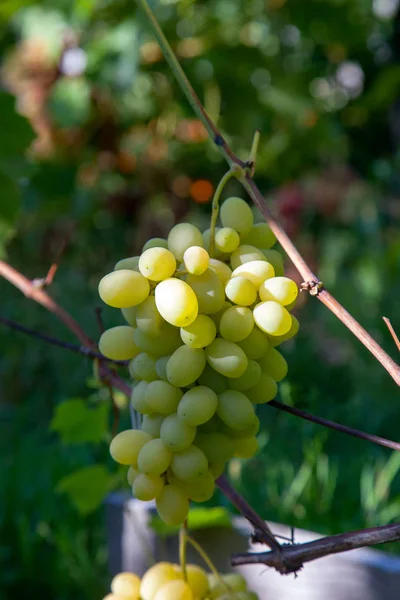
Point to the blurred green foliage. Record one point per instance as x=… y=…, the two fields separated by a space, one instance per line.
x=99 y=151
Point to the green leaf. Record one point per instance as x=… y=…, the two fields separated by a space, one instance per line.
x=9 y=198
x=87 y=487
x=70 y=102
x=77 y=423
x=16 y=132
x=199 y=518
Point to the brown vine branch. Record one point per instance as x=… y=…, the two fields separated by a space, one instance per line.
x=392 y=332
x=291 y=558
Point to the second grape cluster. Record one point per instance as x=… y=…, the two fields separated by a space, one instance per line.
x=203 y=326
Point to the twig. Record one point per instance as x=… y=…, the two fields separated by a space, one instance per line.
x=392 y=331
x=362 y=435
x=291 y=558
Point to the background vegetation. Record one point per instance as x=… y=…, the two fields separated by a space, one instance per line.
x=99 y=151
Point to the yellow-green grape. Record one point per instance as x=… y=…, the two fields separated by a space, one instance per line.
x=241 y=291
x=124 y=288
x=161 y=345
x=255 y=345
x=117 y=343
x=129 y=315
x=151 y=424
x=176 y=434
x=255 y=270
x=279 y=339
x=226 y=357
x=216 y=446
x=280 y=289
x=126 y=585
x=276 y=259
x=162 y=397
x=249 y=379
x=216 y=468
x=138 y=398
x=172 y=505
x=260 y=236
x=185 y=365
x=147 y=487
x=143 y=366
x=272 y=318
x=209 y=291
x=174 y=590
x=235 y=434
x=246 y=253
x=214 y=424
x=243 y=595
x=148 y=319
x=236 y=323
x=183 y=236
x=154 y=458
x=200 y=333
x=131 y=475
x=235 y=409
x=227 y=240
x=197 y=405
x=196 y=260
x=236 y=582
x=158 y=243
x=125 y=447
x=176 y=302
x=157 y=264
x=221 y=269
x=264 y=391
x=246 y=447
x=189 y=463
x=218 y=316
x=274 y=364
x=197 y=580
x=236 y=213
x=132 y=263
x=212 y=379
x=161 y=367
x=154 y=578
x=199 y=490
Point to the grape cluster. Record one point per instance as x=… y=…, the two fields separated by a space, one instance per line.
x=201 y=339
x=165 y=581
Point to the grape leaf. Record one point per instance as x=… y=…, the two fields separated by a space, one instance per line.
x=87 y=487
x=78 y=423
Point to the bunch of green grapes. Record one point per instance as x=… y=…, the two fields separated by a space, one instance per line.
x=165 y=581
x=201 y=337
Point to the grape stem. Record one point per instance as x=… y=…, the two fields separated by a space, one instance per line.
x=248 y=183
x=233 y=172
x=203 y=554
x=182 y=548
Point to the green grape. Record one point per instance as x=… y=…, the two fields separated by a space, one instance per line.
x=244 y=254
x=216 y=469
x=143 y=366
x=197 y=580
x=243 y=595
x=226 y=357
x=249 y=379
x=197 y=405
x=216 y=446
x=189 y=464
x=200 y=489
x=212 y=379
x=176 y=302
x=185 y=365
x=124 y=288
x=236 y=582
x=172 y=506
x=154 y=458
x=151 y=424
x=157 y=264
x=161 y=367
x=156 y=243
x=218 y=316
x=276 y=259
x=161 y=345
x=236 y=323
x=236 y=213
x=274 y=364
x=126 y=585
x=235 y=434
x=131 y=475
x=154 y=578
x=241 y=290
x=125 y=446
x=255 y=345
x=196 y=260
x=200 y=333
x=280 y=289
x=264 y=391
x=162 y=397
x=129 y=315
x=222 y=271
x=138 y=398
x=227 y=240
x=214 y=424
x=260 y=236
x=246 y=447
x=131 y=263
x=147 y=487
x=235 y=409
x=174 y=590
x=209 y=291
x=255 y=270
x=183 y=236
x=117 y=343
x=279 y=339
x=272 y=318
x=176 y=434
x=148 y=319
